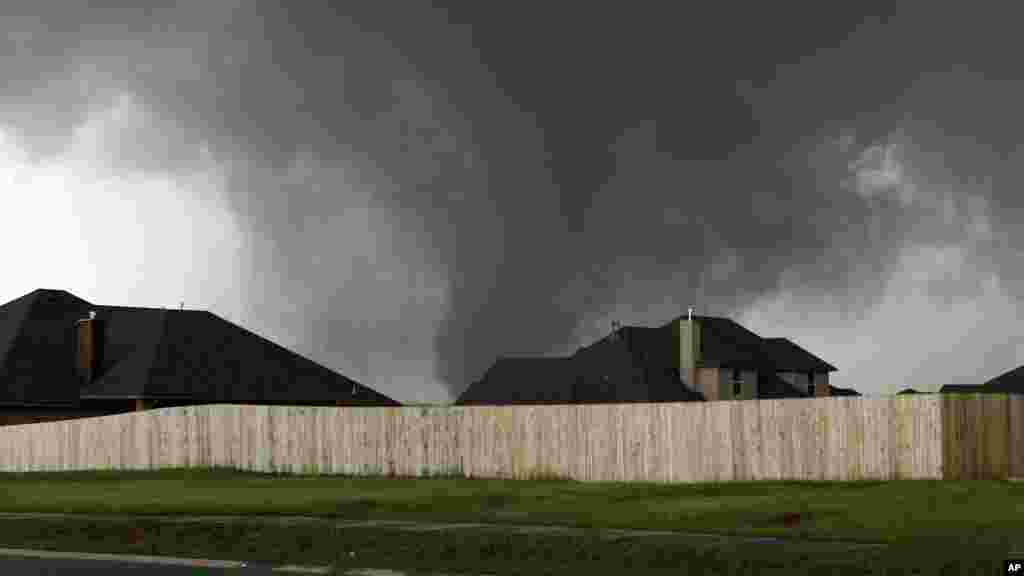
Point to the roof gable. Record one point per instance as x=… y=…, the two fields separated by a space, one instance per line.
x=156 y=353
x=786 y=355
x=726 y=343
x=38 y=364
x=205 y=356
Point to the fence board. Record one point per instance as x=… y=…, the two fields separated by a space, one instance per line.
x=931 y=436
x=1015 y=415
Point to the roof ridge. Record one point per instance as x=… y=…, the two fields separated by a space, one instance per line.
x=280 y=347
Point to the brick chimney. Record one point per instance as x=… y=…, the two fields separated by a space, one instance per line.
x=88 y=347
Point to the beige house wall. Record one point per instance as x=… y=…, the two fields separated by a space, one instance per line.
x=726 y=386
x=717 y=383
x=817 y=387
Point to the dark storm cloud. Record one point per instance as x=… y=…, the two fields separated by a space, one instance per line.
x=371 y=159
x=420 y=189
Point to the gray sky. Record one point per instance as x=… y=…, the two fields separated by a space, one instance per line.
x=402 y=192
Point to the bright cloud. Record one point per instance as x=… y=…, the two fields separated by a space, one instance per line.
x=100 y=222
x=944 y=316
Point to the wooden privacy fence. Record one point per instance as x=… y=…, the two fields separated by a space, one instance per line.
x=844 y=438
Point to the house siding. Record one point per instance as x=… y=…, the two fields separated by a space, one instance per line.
x=748 y=386
x=707 y=380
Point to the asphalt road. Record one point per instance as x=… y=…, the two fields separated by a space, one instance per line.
x=16 y=566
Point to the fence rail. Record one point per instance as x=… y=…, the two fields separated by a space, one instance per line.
x=839 y=438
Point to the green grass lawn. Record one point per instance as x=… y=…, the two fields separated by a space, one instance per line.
x=873 y=511
x=926 y=521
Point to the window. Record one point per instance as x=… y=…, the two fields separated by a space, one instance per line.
x=737 y=382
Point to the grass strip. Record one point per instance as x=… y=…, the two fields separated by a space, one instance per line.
x=864 y=511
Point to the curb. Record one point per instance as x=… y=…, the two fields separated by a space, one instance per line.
x=160 y=560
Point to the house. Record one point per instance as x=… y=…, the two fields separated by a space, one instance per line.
x=907 y=391
x=1009 y=382
x=62 y=357
x=632 y=364
x=687 y=359
x=723 y=360
x=834 y=391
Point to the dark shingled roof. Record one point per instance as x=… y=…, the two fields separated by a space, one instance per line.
x=633 y=364
x=512 y=380
x=155 y=354
x=726 y=343
x=638 y=364
x=962 y=389
x=788 y=356
x=1011 y=382
x=38 y=360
